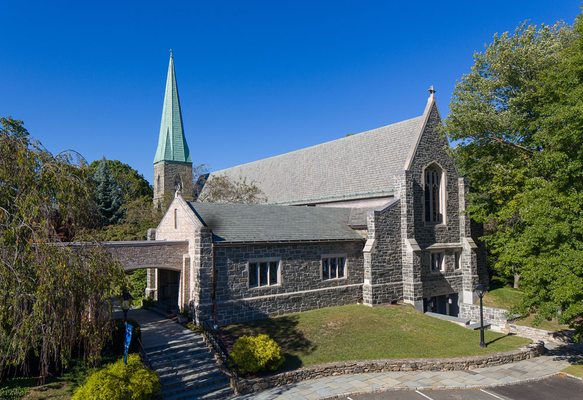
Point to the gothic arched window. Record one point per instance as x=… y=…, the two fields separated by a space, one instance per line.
x=434 y=199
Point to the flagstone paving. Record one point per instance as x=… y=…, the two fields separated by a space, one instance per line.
x=528 y=370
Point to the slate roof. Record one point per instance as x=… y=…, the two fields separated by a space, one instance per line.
x=358 y=166
x=172 y=144
x=242 y=223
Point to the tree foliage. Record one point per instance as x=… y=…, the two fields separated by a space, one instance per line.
x=222 y=189
x=517 y=118
x=53 y=297
x=115 y=186
x=108 y=195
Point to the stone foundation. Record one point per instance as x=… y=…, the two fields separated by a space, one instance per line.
x=260 y=307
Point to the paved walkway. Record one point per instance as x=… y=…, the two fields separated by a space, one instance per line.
x=185 y=365
x=332 y=386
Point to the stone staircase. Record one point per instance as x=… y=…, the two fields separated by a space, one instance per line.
x=187 y=368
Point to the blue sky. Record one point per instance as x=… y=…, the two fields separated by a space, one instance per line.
x=256 y=78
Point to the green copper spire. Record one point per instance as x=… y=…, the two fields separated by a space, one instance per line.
x=171 y=142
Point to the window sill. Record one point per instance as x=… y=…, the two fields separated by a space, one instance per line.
x=334 y=279
x=435 y=224
x=263 y=287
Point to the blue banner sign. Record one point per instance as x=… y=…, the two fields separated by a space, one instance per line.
x=127 y=342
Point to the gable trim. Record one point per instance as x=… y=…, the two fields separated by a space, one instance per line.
x=428 y=108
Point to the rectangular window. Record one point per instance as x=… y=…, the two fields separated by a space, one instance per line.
x=175 y=218
x=263 y=273
x=437 y=259
x=333 y=267
x=457 y=259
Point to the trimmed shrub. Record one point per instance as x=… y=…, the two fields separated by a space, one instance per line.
x=258 y=353
x=120 y=382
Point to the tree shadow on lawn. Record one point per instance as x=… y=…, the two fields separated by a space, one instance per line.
x=284 y=330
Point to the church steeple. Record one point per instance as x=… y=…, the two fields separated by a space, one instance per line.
x=172 y=163
x=172 y=144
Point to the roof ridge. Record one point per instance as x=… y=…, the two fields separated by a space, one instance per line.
x=350 y=137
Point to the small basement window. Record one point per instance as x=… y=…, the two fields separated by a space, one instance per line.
x=264 y=273
x=457 y=259
x=437 y=261
x=333 y=267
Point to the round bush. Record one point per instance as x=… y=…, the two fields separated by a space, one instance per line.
x=120 y=382
x=256 y=353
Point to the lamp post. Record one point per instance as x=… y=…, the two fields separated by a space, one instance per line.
x=125 y=304
x=481 y=290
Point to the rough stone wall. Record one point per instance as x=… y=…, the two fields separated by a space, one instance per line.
x=443 y=282
x=383 y=278
x=392 y=365
x=148 y=254
x=186 y=228
x=167 y=171
x=203 y=271
x=449 y=236
x=494 y=316
x=301 y=287
x=432 y=148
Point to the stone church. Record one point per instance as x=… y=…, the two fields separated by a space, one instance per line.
x=376 y=218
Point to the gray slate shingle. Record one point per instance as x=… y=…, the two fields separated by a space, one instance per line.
x=357 y=166
x=232 y=223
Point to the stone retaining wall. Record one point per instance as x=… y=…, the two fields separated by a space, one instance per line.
x=391 y=365
x=539 y=334
x=494 y=316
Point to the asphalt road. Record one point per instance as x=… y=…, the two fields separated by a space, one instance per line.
x=557 y=387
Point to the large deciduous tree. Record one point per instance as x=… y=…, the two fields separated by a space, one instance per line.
x=223 y=189
x=517 y=121
x=53 y=298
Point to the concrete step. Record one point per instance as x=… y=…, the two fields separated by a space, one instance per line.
x=461 y=321
x=186 y=337
x=186 y=367
x=175 y=345
x=196 y=391
x=179 y=353
x=225 y=393
x=183 y=363
x=194 y=380
x=476 y=326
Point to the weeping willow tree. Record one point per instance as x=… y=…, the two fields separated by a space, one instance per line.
x=53 y=298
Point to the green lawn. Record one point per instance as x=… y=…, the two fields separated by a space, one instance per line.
x=503 y=297
x=575 y=370
x=28 y=389
x=507 y=297
x=358 y=332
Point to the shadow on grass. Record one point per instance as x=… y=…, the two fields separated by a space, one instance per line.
x=499 y=338
x=284 y=330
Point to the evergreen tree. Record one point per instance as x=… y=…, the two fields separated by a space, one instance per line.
x=108 y=195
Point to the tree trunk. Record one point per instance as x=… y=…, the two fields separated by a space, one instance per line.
x=516 y=280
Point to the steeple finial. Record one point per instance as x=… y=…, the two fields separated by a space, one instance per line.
x=431 y=92
x=171 y=53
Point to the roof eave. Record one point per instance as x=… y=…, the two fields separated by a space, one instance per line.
x=296 y=241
